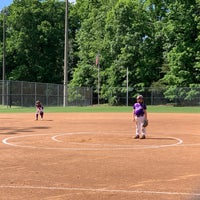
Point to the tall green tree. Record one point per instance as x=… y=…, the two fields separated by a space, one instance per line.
x=182 y=46
x=134 y=45
x=90 y=40
x=35 y=40
x=157 y=41
x=128 y=35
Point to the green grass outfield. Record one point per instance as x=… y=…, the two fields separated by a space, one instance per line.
x=101 y=108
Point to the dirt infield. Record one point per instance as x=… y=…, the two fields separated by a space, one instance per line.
x=92 y=156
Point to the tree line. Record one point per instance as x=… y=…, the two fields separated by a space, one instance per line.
x=158 y=42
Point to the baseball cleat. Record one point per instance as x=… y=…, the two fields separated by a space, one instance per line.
x=137 y=137
x=143 y=137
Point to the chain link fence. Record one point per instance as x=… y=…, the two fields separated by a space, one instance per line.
x=24 y=94
x=176 y=96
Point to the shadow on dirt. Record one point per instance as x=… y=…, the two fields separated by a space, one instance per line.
x=15 y=130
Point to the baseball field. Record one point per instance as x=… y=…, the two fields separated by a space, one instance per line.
x=83 y=155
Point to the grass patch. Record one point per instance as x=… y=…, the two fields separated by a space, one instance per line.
x=101 y=108
x=173 y=109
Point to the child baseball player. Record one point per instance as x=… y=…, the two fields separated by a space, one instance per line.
x=139 y=116
x=39 y=110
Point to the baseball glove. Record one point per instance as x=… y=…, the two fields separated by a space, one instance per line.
x=145 y=124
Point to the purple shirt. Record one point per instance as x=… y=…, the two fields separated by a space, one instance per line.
x=139 y=109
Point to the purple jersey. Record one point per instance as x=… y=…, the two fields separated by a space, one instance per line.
x=139 y=109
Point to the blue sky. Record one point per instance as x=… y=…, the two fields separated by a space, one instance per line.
x=4 y=3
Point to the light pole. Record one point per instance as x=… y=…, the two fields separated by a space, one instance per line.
x=98 y=68
x=127 y=89
x=65 y=91
x=4 y=57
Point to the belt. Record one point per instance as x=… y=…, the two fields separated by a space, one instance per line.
x=140 y=115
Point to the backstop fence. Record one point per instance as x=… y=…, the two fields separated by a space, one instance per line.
x=24 y=94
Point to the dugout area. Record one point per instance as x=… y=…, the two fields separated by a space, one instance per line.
x=92 y=156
